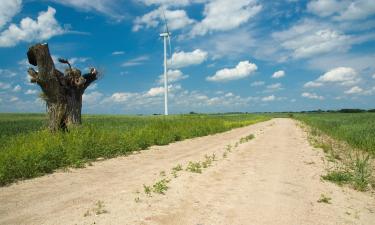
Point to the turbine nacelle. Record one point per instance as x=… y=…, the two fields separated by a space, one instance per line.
x=165 y=34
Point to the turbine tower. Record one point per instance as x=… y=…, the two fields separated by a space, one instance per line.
x=166 y=35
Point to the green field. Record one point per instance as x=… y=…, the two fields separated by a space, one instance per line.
x=357 y=129
x=28 y=149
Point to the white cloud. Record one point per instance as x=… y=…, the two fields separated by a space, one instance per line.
x=312 y=84
x=341 y=75
x=257 y=83
x=17 y=88
x=373 y=76
x=324 y=8
x=135 y=62
x=274 y=87
x=242 y=70
x=31 y=92
x=354 y=90
x=177 y=19
x=118 y=53
x=13 y=99
x=312 y=96
x=156 y=91
x=170 y=2
x=223 y=15
x=29 y=30
x=4 y=86
x=269 y=98
x=343 y=10
x=185 y=59
x=310 y=38
x=121 y=96
x=173 y=76
x=278 y=74
x=107 y=7
x=8 y=9
x=7 y=73
x=92 y=97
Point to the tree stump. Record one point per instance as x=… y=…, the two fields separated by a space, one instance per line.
x=61 y=91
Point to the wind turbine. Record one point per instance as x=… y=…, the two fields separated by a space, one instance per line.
x=166 y=36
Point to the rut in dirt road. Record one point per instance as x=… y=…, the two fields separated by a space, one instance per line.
x=271 y=179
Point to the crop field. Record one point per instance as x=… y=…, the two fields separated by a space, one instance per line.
x=28 y=149
x=357 y=129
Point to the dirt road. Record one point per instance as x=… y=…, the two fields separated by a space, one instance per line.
x=272 y=179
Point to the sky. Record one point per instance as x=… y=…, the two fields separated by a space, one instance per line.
x=226 y=56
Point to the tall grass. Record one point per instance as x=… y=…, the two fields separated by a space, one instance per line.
x=29 y=150
x=357 y=129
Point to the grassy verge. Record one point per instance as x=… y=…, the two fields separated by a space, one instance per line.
x=346 y=165
x=33 y=151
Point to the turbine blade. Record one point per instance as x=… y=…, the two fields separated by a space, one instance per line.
x=165 y=21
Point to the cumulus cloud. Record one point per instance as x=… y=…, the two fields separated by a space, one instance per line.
x=170 y=2
x=176 y=19
x=91 y=98
x=257 y=83
x=173 y=76
x=31 y=92
x=312 y=96
x=269 y=98
x=29 y=30
x=278 y=74
x=273 y=87
x=242 y=70
x=185 y=59
x=223 y=15
x=17 y=88
x=354 y=90
x=8 y=9
x=341 y=75
x=310 y=38
x=342 y=10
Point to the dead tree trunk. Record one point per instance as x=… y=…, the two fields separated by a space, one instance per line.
x=62 y=92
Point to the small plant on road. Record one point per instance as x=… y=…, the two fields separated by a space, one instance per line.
x=194 y=167
x=147 y=190
x=247 y=138
x=161 y=186
x=324 y=199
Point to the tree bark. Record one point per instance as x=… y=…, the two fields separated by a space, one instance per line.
x=61 y=91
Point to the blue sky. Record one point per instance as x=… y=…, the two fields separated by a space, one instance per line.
x=240 y=55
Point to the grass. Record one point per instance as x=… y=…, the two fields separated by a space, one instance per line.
x=161 y=186
x=247 y=138
x=28 y=150
x=356 y=129
x=352 y=164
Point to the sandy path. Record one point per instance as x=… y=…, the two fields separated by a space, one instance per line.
x=272 y=179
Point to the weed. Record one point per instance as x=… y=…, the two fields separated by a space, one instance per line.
x=99 y=208
x=162 y=174
x=225 y=154
x=361 y=172
x=338 y=177
x=161 y=187
x=194 y=167
x=137 y=199
x=177 y=168
x=87 y=213
x=324 y=199
x=247 y=138
x=228 y=148
x=147 y=190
